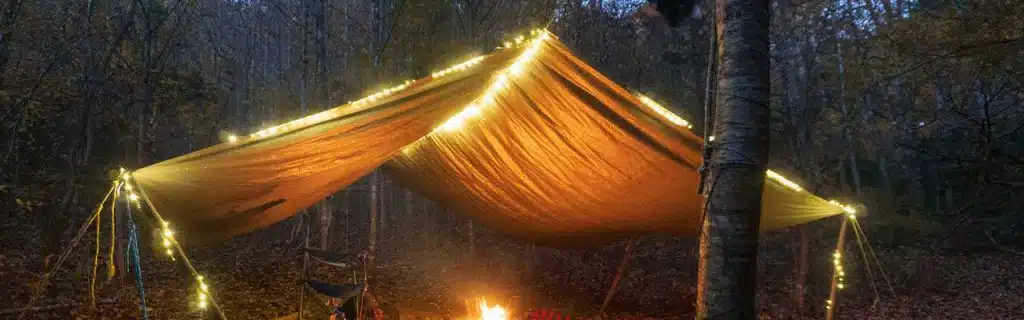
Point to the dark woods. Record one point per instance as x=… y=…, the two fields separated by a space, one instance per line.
x=911 y=108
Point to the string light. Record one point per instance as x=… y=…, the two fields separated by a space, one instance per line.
x=786 y=182
x=169 y=244
x=838 y=265
x=664 y=112
x=329 y=114
x=672 y=117
x=851 y=212
x=203 y=292
x=168 y=238
x=501 y=81
x=458 y=67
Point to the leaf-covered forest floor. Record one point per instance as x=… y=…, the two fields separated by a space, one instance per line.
x=256 y=277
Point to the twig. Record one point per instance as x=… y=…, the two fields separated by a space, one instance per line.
x=999 y=246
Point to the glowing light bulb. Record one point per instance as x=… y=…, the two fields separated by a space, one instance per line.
x=501 y=82
x=169 y=252
x=133 y=197
x=516 y=69
x=203 y=286
x=128 y=187
x=168 y=233
x=167 y=243
x=232 y=138
x=202 y=304
x=488 y=98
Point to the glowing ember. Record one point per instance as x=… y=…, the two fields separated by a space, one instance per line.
x=494 y=312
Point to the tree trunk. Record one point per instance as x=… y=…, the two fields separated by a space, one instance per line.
x=727 y=274
x=801 y=275
x=409 y=213
x=384 y=207
x=428 y=223
x=11 y=15
x=472 y=240
x=326 y=217
x=346 y=210
x=372 y=248
x=847 y=132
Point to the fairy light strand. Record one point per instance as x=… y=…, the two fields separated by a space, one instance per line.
x=786 y=182
x=204 y=299
x=675 y=119
x=664 y=112
x=374 y=97
x=501 y=81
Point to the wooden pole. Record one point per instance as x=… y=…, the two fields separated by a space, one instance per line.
x=630 y=248
x=305 y=268
x=837 y=272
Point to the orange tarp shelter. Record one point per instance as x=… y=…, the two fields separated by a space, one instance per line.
x=529 y=140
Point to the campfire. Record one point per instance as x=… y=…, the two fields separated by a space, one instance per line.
x=485 y=311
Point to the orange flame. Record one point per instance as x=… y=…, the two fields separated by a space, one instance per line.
x=495 y=312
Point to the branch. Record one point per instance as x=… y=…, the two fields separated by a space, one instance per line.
x=1001 y=247
x=952 y=53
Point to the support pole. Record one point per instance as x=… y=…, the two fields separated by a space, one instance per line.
x=626 y=259
x=837 y=272
x=305 y=267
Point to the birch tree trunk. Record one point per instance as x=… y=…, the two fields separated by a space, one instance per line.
x=727 y=273
x=372 y=248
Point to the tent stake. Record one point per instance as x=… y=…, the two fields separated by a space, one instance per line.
x=830 y=309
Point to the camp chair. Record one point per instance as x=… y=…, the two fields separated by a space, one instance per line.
x=350 y=294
